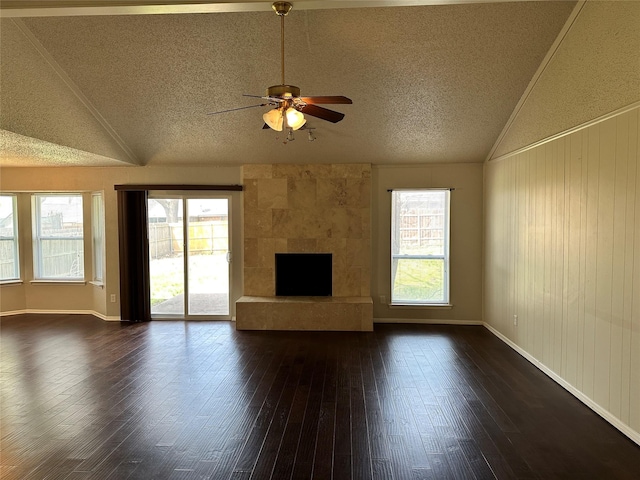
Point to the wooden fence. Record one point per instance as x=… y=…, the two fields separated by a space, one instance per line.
x=62 y=258
x=166 y=240
x=6 y=258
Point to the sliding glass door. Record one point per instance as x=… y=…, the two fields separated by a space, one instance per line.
x=189 y=256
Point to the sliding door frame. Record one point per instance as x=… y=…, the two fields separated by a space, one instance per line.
x=185 y=196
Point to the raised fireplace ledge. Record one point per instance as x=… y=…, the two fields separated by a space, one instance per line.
x=305 y=313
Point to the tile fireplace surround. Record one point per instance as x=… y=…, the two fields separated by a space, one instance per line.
x=318 y=208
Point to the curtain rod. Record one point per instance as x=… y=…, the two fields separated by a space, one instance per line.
x=451 y=189
x=229 y=188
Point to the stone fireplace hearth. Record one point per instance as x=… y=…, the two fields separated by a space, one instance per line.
x=307 y=209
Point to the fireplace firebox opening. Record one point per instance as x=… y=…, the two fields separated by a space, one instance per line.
x=304 y=274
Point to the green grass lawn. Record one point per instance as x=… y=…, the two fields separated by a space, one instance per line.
x=207 y=274
x=418 y=279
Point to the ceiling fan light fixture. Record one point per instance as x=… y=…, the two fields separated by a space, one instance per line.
x=295 y=119
x=286 y=98
x=274 y=119
x=311 y=136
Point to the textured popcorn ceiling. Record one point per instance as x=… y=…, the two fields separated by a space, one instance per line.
x=603 y=54
x=429 y=83
x=21 y=151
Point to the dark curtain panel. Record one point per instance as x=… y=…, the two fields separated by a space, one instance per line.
x=134 y=256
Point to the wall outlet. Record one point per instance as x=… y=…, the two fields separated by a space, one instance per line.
x=113 y=298
x=515 y=319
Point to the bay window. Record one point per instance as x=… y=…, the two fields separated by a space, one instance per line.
x=58 y=238
x=9 y=260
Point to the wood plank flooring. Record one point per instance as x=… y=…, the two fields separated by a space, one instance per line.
x=86 y=399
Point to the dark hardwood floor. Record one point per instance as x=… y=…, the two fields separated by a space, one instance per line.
x=86 y=399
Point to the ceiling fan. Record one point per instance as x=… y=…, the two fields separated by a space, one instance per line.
x=290 y=107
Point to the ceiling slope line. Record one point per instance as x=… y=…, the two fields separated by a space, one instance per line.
x=64 y=9
x=536 y=76
x=76 y=91
x=569 y=131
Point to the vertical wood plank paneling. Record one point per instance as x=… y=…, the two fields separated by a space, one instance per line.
x=533 y=243
x=563 y=253
x=634 y=377
x=584 y=193
x=512 y=247
x=618 y=252
x=527 y=224
x=561 y=228
x=574 y=262
x=604 y=262
x=558 y=248
x=591 y=234
x=630 y=290
x=519 y=224
x=504 y=266
x=538 y=298
x=515 y=247
x=547 y=234
x=566 y=176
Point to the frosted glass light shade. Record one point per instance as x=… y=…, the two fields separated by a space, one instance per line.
x=295 y=119
x=273 y=118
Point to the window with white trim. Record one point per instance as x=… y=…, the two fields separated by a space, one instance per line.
x=9 y=260
x=420 y=247
x=97 y=236
x=58 y=239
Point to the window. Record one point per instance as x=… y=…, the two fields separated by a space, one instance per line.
x=97 y=236
x=9 y=264
x=420 y=247
x=58 y=237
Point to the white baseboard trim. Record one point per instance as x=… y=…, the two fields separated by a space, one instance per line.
x=62 y=312
x=428 y=321
x=113 y=318
x=608 y=416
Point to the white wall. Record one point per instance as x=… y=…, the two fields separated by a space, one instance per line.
x=563 y=254
x=465 y=240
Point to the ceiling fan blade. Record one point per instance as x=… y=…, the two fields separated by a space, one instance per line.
x=325 y=99
x=271 y=99
x=321 y=112
x=239 y=108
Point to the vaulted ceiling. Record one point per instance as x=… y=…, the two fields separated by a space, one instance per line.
x=117 y=84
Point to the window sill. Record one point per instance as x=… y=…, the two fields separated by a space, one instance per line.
x=97 y=284
x=11 y=282
x=422 y=306
x=57 y=282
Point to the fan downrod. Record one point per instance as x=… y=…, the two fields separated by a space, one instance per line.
x=281 y=8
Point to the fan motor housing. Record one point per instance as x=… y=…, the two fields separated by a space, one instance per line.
x=283 y=91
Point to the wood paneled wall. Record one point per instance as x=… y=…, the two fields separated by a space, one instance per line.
x=562 y=252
